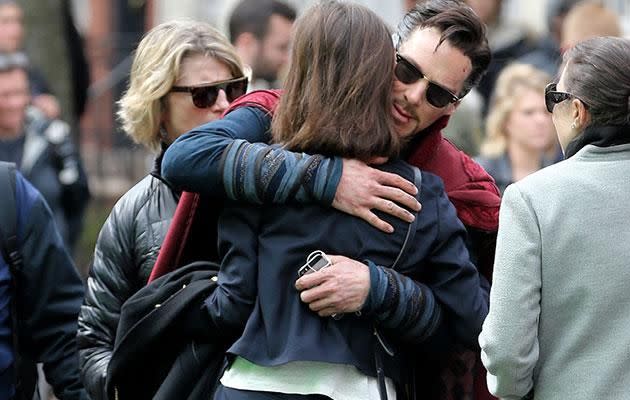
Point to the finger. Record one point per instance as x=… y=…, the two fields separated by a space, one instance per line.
x=394 y=209
x=312 y=295
x=334 y=259
x=400 y=197
x=328 y=312
x=321 y=304
x=389 y=179
x=309 y=281
x=371 y=218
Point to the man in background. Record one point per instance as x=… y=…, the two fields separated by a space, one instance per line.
x=260 y=30
x=42 y=148
x=11 y=41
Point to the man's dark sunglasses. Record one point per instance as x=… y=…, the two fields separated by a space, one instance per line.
x=205 y=96
x=553 y=97
x=408 y=73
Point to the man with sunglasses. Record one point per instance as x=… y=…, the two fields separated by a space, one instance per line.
x=442 y=54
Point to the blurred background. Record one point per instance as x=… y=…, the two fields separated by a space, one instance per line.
x=83 y=48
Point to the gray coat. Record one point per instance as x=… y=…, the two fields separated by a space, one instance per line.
x=559 y=318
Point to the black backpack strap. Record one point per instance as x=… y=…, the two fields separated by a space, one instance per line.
x=411 y=232
x=25 y=378
x=8 y=216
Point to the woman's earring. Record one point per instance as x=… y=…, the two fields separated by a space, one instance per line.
x=574 y=126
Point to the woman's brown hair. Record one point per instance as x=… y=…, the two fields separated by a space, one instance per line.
x=337 y=98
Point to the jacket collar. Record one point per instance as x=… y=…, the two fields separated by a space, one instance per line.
x=423 y=147
x=600 y=136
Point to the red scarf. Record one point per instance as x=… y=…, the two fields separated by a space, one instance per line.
x=266 y=100
x=469 y=187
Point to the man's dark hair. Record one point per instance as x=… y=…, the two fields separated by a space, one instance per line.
x=254 y=15
x=459 y=26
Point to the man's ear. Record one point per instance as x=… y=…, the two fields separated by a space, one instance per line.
x=452 y=107
x=246 y=45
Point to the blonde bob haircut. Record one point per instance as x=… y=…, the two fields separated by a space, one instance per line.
x=511 y=83
x=155 y=70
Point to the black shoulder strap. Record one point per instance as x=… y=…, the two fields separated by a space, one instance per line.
x=411 y=232
x=8 y=217
x=25 y=376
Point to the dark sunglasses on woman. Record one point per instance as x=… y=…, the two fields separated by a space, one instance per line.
x=406 y=72
x=553 y=97
x=205 y=96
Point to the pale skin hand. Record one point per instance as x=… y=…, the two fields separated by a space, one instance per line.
x=340 y=288
x=48 y=104
x=363 y=188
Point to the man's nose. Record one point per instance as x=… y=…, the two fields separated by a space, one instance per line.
x=416 y=92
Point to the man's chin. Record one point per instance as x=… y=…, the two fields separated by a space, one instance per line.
x=405 y=131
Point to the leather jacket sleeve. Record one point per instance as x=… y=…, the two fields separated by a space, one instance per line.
x=110 y=283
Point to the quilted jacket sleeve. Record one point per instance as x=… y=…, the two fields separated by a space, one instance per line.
x=109 y=284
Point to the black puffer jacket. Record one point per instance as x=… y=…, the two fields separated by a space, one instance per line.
x=126 y=250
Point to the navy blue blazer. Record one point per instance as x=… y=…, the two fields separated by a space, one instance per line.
x=435 y=285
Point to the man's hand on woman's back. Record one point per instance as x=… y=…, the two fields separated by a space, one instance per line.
x=363 y=189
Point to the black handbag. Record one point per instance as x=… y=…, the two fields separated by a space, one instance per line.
x=152 y=358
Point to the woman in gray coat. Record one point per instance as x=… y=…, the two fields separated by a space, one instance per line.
x=559 y=304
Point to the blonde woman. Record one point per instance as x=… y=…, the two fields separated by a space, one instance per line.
x=520 y=134
x=184 y=74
